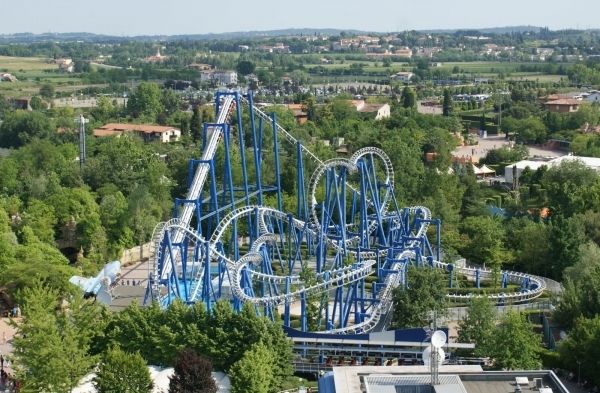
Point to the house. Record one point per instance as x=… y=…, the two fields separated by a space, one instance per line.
x=563 y=105
x=200 y=66
x=148 y=132
x=299 y=114
x=402 y=76
x=243 y=48
x=381 y=111
x=403 y=52
x=222 y=78
x=65 y=65
x=225 y=77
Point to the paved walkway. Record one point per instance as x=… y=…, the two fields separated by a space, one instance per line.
x=484 y=145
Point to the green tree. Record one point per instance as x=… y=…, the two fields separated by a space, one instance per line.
x=447 y=103
x=515 y=345
x=484 y=243
x=20 y=127
x=52 y=342
x=192 y=374
x=145 y=102
x=582 y=347
x=196 y=124
x=566 y=237
x=478 y=326
x=408 y=98
x=571 y=188
x=47 y=90
x=245 y=67
x=122 y=372
x=37 y=104
x=424 y=294
x=253 y=373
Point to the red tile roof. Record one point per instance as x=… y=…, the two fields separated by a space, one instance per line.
x=113 y=128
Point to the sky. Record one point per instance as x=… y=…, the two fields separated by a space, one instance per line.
x=170 y=17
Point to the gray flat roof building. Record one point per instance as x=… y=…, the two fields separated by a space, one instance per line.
x=452 y=379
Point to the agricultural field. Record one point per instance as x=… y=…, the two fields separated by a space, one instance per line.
x=31 y=72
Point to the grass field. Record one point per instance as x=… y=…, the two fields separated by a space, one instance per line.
x=25 y=64
x=31 y=72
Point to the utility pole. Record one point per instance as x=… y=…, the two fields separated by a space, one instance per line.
x=81 y=121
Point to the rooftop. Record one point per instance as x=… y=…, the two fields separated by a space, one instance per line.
x=452 y=379
x=112 y=128
x=564 y=101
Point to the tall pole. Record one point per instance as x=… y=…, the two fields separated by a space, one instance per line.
x=81 y=121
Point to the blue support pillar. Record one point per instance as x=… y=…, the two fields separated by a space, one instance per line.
x=478 y=278
x=276 y=153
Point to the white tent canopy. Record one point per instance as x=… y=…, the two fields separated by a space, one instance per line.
x=485 y=170
x=160 y=378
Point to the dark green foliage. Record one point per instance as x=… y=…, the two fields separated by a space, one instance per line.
x=245 y=67
x=408 y=98
x=21 y=127
x=192 y=374
x=253 y=373
x=146 y=102
x=424 y=294
x=515 y=345
x=478 y=327
x=122 y=372
x=221 y=336
x=447 y=103
x=53 y=340
x=581 y=349
x=505 y=155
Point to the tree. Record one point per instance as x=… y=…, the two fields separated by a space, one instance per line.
x=245 y=67
x=253 y=373
x=424 y=293
x=47 y=91
x=37 y=104
x=52 y=342
x=21 y=127
x=192 y=374
x=447 y=103
x=571 y=188
x=122 y=372
x=478 y=327
x=484 y=241
x=146 y=101
x=528 y=130
x=196 y=125
x=582 y=346
x=408 y=98
x=515 y=345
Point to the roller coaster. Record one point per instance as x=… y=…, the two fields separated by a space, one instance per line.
x=332 y=266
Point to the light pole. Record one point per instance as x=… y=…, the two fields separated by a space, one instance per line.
x=578 y=372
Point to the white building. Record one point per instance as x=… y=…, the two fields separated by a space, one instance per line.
x=403 y=76
x=222 y=78
x=517 y=168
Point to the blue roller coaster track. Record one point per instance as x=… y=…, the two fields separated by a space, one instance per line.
x=345 y=249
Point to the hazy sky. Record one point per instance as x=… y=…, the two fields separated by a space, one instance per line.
x=133 y=17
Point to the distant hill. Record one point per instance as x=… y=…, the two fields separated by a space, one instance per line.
x=90 y=37
x=488 y=30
